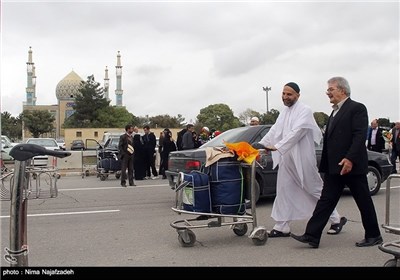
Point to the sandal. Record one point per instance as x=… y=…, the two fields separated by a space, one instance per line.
x=277 y=233
x=337 y=228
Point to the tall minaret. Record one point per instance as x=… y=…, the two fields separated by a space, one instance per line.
x=106 y=85
x=119 y=91
x=31 y=81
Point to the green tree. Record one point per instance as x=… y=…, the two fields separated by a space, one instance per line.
x=246 y=115
x=165 y=121
x=217 y=116
x=269 y=117
x=384 y=122
x=11 y=126
x=321 y=118
x=88 y=105
x=38 y=122
x=114 y=117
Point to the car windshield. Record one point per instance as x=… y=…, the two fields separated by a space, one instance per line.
x=232 y=136
x=43 y=142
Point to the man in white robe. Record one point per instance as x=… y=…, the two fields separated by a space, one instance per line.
x=299 y=185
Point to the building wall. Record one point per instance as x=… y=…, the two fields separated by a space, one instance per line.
x=65 y=111
x=97 y=134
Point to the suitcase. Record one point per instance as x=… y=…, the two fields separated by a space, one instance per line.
x=227 y=187
x=196 y=191
x=110 y=164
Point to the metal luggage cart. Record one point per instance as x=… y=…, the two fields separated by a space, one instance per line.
x=114 y=168
x=186 y=236
x=89 y=157
x=391 y=226
x=20 y=184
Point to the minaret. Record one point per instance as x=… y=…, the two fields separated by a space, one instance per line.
x=31 y=81
x=106 y=85
x=119 y=91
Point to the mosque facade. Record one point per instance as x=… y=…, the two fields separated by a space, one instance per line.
x=66 y=91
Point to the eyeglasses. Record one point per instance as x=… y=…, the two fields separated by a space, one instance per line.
x=329 y=90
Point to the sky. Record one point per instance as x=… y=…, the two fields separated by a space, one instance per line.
x=181 y=56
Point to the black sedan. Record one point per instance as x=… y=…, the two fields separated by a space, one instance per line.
x=77 y=145
x=187 y=160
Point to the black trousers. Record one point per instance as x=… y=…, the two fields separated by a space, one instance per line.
x=331 y=192
x=127 y=163
x=393 y=157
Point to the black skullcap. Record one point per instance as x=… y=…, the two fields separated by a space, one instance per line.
x=294 y=86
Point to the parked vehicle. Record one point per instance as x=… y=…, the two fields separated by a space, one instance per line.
x=77 y=145
x=8 y=141
x=5 y=151
x=48 y=143
x=187 y=160
x=61 y=144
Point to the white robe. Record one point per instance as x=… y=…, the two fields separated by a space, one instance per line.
x=299 y=184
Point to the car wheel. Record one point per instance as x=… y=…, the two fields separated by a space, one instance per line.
x=374 y=180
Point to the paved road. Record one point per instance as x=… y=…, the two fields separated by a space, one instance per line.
x=98 y=223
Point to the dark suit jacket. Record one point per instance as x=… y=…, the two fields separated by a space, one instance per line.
x=395 y=144
x=345 y=138
x=124 y=139
x=380 y=142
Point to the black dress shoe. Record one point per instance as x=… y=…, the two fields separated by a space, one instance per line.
x=306 y=239
x=132 y=185
x=370 y=241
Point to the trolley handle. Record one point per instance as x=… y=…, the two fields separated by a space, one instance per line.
x=22 y=152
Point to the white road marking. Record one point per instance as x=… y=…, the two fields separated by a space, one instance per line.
x=68 y=213
x=107 y=188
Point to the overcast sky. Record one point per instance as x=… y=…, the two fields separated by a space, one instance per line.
x=179 y=57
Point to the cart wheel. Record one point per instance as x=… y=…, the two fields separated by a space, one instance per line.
x=87 y=173
x=117 y=175
x=191 y=236
x=260 y=240
x=103 y=177
x=240 y=229
x=391 y=263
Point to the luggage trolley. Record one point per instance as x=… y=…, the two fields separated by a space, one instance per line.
x=392 y=247
x=19 y=185
x=186 y=236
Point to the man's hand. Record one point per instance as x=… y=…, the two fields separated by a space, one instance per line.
x=347 y=165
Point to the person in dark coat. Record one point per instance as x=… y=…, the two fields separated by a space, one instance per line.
x=150 y=143
x=376 y=142
x=344 y=162
x=138 y=162
x=168 y=145
x=125 y=153
x=395 y=142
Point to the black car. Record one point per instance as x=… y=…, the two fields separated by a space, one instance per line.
x=184 y=161
x=77 y=145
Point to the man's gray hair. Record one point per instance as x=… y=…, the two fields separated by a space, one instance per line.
x=342 y=83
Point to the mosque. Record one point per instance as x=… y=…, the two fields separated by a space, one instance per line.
x=66 y=91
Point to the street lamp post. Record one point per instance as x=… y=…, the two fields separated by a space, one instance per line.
x=267 y=89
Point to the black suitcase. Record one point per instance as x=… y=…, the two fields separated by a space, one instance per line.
x=110 y=164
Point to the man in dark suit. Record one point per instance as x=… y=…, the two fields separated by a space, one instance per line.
x=344 y=162
x=395 y=142
x=376 y=142
x=125 y=153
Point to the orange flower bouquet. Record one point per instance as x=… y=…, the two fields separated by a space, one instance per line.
x=244 y=151
x=387 y=135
